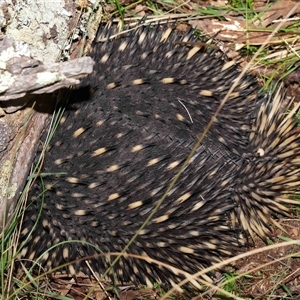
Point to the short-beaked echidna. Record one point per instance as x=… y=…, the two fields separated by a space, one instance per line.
x=117 y=150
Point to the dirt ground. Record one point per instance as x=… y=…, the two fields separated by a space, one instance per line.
x=276 y=272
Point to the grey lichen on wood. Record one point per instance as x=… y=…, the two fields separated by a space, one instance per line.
x=7 y=190
x=21 y=74
x=36 y=32
x=17 y=157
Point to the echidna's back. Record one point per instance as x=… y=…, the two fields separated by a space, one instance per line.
x=150 y=102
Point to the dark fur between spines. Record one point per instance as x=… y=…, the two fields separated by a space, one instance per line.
x=122 y=146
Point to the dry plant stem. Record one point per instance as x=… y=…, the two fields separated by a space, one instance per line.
x=15 y=244
x=98 y=281
x=188 y=276
x=19 y=208
x=175 y=179
x=178 y=6
x=207 y=129
x=161 y=19
x=231 y=260
x=278 y=260
x=39 y=277
x=289 y=276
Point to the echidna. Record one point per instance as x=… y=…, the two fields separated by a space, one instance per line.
x=118 y=148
